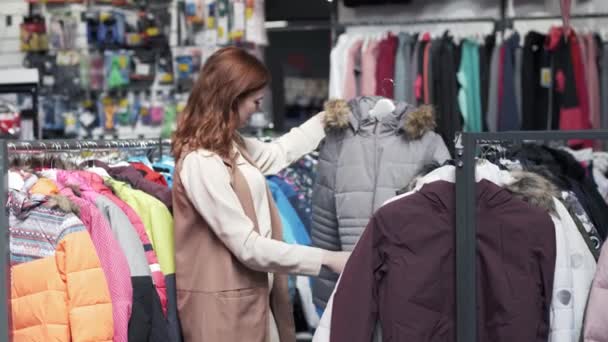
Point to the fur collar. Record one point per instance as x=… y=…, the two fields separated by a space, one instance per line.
x=534 y=189
x=415 y=122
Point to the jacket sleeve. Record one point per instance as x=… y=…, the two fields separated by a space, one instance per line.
x=355 y=306
x=324 y=231
x=440 y=151
x=89 y=303
x=274 y=156
x=214 y=198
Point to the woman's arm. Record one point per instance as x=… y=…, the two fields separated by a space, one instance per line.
x=274 y=156
x=207 y=184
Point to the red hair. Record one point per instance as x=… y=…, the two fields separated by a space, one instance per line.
x=210 y=119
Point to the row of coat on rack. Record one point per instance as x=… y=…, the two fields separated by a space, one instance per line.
x=541 y=222
x=476 y=82
x=92 y=253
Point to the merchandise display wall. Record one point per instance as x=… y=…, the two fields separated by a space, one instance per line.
x=110 y=69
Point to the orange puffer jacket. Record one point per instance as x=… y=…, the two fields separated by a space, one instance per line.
x=58 y=290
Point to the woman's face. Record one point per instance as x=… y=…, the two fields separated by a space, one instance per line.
x=250 y=105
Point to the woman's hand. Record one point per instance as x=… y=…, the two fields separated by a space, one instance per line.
x=335 y=261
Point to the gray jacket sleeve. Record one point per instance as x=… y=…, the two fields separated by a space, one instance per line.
x=324 y=228
x=440 y=152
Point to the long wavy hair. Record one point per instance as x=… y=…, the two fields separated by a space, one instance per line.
x=210 y=119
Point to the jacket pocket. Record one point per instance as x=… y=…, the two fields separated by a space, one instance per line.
x=227 y=316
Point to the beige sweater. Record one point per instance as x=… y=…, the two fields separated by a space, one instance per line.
x=207 y=182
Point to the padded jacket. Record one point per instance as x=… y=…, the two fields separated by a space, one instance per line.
x=58 y=289
x=402 y=270
x=363 y=161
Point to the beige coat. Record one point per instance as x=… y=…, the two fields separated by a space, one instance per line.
x=223 y=256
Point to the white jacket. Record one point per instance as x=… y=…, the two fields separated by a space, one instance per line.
x=582 y=267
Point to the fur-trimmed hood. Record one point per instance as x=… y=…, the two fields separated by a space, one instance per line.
x=415 y=122
x=534 y=189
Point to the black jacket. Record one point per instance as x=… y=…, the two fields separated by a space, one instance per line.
x=567 y=174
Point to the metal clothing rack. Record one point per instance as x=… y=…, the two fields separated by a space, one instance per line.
x=7 y=148
x=466 y=239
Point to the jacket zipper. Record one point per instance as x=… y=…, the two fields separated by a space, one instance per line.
x=376 y=167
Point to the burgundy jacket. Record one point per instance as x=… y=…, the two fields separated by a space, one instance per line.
x=402 y=270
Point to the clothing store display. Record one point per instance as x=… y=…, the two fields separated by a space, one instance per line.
x=552 y=82
x=399 y=143
x=117 y=231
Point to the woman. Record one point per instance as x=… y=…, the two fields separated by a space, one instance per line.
x=230 y=260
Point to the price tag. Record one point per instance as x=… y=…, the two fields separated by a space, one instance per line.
x=142 y=69
x=545 y=77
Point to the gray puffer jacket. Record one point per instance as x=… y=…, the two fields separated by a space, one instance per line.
x=363 y=161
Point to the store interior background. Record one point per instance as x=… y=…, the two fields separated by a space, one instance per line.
x=301 y=34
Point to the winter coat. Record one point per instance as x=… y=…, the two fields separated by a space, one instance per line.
x=58 y=289
x=137 y=180
x=113 y=262
x=363 y=162
x=403 y=270
x=96 y=182
x=159 y=226
x=147 y=321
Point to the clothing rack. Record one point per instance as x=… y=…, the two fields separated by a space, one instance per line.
x=8 y=148
x=466 y=239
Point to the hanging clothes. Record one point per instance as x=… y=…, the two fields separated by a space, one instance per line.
x=369 y=62
x=536 y=83
x=493 y=96
x=385 y=69
x=133 y=177
x=147 y=318
x=97 y=183
x=469 y=96
x=113 y=262
x=445 y=88
x=404 y=81
x=508 y=113
x=353 y=67
x=400 y=143
x=158 y=223
x=64 y=270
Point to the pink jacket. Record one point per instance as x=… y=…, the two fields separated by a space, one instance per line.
x=96 y=182
x=369 y=62
x=596 y=316
x=113 y=262
x=350 y=81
